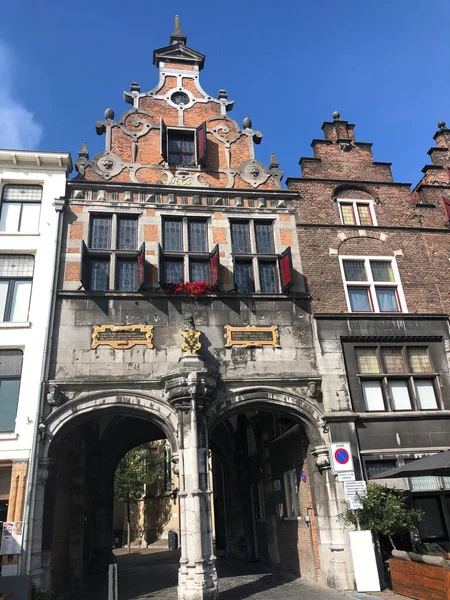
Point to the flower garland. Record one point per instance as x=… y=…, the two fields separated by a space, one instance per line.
x=195 y=289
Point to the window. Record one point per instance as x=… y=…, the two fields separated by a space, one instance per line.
x=357 y=212
x=20 y=209
x=184 y=147
x=184 y=255
x=16 y=276
x=431 y=525
x=375 y=467
x=112 y=260
x=256 y=265
x=372 y=285
x=10 y=371
x=397 y=378
x=291 y=493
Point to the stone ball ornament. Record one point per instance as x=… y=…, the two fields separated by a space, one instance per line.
x=336 y=114
x=441 y=124
x=109 y=113
x=247 y=123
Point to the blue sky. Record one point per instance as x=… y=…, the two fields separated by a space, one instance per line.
x=288 y=65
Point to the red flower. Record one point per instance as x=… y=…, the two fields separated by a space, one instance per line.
x=195 y=289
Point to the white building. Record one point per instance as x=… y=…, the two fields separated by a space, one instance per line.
x=32 y=189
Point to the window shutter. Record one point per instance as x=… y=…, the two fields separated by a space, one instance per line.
x=163 y=140
x=234 y=273
x=85 y=267
x=202 y=147
x=140 y=267
x=446 y=203
x=214 y=265
x=286 y=269
x=161 y=278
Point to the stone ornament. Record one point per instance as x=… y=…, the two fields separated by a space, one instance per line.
x=141 y=126
x=313 y=390
x=184 y=177
x=191 y=343
x=321 y=457
x=107 y=164
x=54 y=395
x=253 y=172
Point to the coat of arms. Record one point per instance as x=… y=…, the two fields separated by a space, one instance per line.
x=191 y=342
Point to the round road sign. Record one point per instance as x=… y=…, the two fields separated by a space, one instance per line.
x=341 y=456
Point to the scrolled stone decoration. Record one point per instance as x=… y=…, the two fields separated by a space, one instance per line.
x=253 y=172
x=54 y=395
x=184 y=177
x=321 y=457
x=107 y=164
x=134 y=118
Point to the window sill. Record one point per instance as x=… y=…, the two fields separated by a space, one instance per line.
x=19 y=233
x=8 y=436
x=15 y=325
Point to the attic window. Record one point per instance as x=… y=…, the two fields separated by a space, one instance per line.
x=183 y=147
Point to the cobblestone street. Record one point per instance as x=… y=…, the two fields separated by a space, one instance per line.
x=153 y=575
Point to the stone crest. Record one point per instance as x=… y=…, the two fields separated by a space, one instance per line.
x=191 y=342
x=253 y=172
x=184 y=177
x=107 y=164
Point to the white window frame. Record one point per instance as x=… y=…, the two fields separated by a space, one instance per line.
x=291 y=493
x=18 y=231
x=354 y=202
x=372 y=285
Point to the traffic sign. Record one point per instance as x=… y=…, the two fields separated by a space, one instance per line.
x=351 y=488
x=341 y=458
x=346 y=476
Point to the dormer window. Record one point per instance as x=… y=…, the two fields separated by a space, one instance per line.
x=357 y=212
x=183 y=147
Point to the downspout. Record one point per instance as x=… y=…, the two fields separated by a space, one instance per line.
x=28 y=518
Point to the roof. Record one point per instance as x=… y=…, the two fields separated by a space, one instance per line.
x=36 y=159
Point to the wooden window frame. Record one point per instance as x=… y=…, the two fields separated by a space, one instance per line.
x=354 y=203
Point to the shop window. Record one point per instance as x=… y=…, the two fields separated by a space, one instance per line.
x=10 y=372
x=357 y=212
x=20 y=208
x=257 y=267
x=291 y=493
x=431 y=525
x=112 y=260
x=372 y=285
x=16 y=278
x=184 y=254
x=183 y=147
x=397 y=378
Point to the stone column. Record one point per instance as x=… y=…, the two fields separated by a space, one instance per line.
x=189 y=389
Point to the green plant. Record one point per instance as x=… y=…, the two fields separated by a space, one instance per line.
x=38 y=593
x=383 y=511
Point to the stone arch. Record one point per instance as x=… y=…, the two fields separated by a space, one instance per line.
x=142 y=405
x=303 y=408
x=365 y=241
x=354 y=190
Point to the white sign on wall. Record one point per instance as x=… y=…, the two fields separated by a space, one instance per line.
x=341 y=458
x=346 y=476
x=351 y=488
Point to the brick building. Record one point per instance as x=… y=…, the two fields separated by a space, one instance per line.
x=376 y=262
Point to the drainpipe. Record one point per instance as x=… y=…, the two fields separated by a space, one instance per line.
x=28 y=517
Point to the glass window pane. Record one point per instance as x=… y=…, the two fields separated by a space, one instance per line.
x=382 y=270
x=16 y=265
x=20 y=301
x=267 y=277
x=22 y=193
x=99 y=274
x=399 y=393
x=100 y=232
x=425 y=394
x=29 y=220
x=197 y=236
x=376 y=467
x=364 y=214
x=426 y=482
x=367 y=360
x=359 y=299
x=419 y=361
x=240 y=236
x=126 y=275
x=348 y=216
x=199 y=270
x=355 y=270
x=173 y=236
x=11 y=363
x=4 y=285
x=387 y=299
x=173 y=271
x=393 y=360
x=9 y=396
x=264 y=238
x=431 y=525
x=10 y=215
x=373 y=395
x=126 y=234
x=243 y=277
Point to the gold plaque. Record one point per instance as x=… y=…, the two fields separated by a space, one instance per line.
x=122 y=337
x=252 y=336
x=191 y=342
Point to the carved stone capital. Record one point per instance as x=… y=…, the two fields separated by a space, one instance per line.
x=321 y=457
x=192 y=379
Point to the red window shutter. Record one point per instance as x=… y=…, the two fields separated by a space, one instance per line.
x=163 y=140
x=446 y=203
x=85 y=267
x=160 y=265
x=214 y=265
x=202 y=146
x=286 y=269
x=140 y=267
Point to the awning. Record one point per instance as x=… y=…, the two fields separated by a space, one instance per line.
x=436 y=464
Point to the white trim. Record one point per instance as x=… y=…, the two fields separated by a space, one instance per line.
x=354 y=202
x=372 y=285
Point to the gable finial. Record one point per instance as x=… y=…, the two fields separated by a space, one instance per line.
x=177 y=36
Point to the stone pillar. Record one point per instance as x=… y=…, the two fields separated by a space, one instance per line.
x=17 y=490
x=189 y=389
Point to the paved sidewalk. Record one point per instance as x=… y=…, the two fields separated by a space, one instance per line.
x=150 y=574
